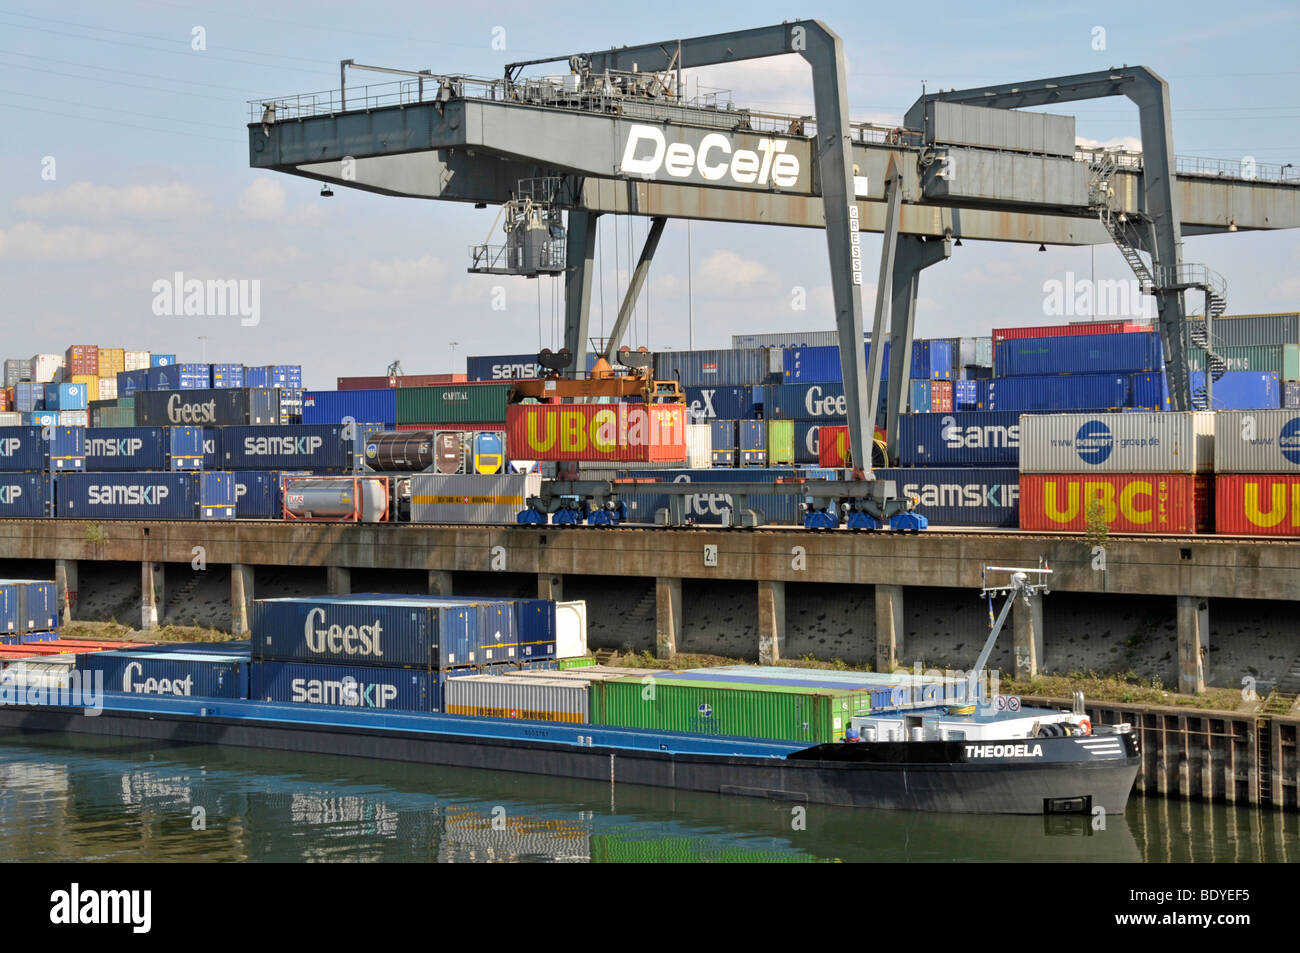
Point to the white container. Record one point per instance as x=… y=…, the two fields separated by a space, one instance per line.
x=1117 y=443
x=474 y=498
x=699 y=446
x=510 y=696
x=108 y=388
x=1257 y=441
x=135 y=360
x=570 y=629
x=45 y=367
x=11 y=418
x=74 y=418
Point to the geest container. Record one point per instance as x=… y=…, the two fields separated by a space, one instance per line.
x=1078 y=354
x=1242 y=390
x=451 y=403
x=723 y=403
x=960 y=496
x=240 y=406
x=973 y=439
x=294 y=447
x=630 y=433
x=26 y=495
x=813 y=715
x=127 y=449
x=176 y=673
x=472 y=498
x=507 y=696
x=1091 y=392
x=1117 y=443
x=1131 y=503
x=332 y=407
x=713 y=368
x=159 y=495
x=1259 y=441
x=1253 y=504
x=349 y=686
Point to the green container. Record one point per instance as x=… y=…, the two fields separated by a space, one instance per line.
x=453 y=404
x=780 y=443
x=1283 y=358
x=808 y=715
x=577 y=663
x=113 y=417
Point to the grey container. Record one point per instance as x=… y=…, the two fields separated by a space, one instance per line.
x=1257 y=441
x=1009 y=177
x=510 y=696
x=1117 y=443
x=783 y=339
x=1252 y=329
x=707 y=368
x=472 y=498
x=17 y=369
x=1003 y=129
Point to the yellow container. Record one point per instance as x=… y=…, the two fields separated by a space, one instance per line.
x=112 y=361
x=90 y=382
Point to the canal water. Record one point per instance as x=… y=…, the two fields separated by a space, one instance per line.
x=79 y=798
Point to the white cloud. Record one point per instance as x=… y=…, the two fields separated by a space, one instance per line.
x=729 y=270
x=424 y=272
x=263 y=199
x=1127 y=143
x=87 y=201
x=33 y=241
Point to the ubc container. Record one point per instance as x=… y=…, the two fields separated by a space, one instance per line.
x=1117 y=443
x=175 y=673
x=1175 y=503
x=1242 y=390
x=624 y=433
x=1260 y=441
x=240 y=406
x=1256 y=504
x=452 y=403
x=293 y=447
x=812 y=715
x=348 y=686
x=507 y=696
x=713 y=368
x=974 y=439
x=1079 y=354
x=960 y=496
x=45 y=447
x=158 y=496
x=724 y=403
x=332 y=407
x=753 y=443
x=26 y=495
x=723 y=443
x=1077 y=392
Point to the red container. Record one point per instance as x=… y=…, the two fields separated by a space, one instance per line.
x=81 y=359
x=941 y=397
x=1257 y=504
x=6 y=399
x=1138 y=503
x=622 y=433
x=1063 y=330
x=833 y=446
x=406 y=380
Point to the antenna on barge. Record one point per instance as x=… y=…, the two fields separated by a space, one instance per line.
x=1017 y=583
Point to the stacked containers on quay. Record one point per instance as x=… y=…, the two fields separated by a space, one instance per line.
x=1150 y=472
x=324 y=448
x=158 y=495
x=1257 y=472
x=36 y=449
x=26 y=495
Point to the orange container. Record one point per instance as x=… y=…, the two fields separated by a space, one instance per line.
x=1131 y=503
x=1254 y=504
x=621 y=433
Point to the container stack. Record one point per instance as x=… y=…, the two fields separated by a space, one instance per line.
x=29 y=611
x=30 y=458
x=1257 y=472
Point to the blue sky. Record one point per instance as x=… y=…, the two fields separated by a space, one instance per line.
x=151 y=176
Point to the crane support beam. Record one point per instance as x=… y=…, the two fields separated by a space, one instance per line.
x=913 y=255
x=888 y=250
x=579 y=269
x=634 y=286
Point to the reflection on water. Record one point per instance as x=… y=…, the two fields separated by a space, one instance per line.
x=82 y=798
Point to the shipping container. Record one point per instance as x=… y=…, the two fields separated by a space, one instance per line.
x=105 y=389
x=1138 y=503
x=1117 y=443
x=112 y=360
x=134 y=449
x=1291 y=395
x=624 y=432
x=11 y=419
x=73 y=396
x=146 y=496
x=780 y=443
x=506 y=696
x=135 y=360
x=804 y=402
x=45 y=367
x=788 y=339
x=710 y=508
x=33 y=606
x=966 y=395
x=258 y=493
x=960 y=496
x=1241 y=390
x=752 y=441
x=452 y=403
x=130 y=382
x=17 y=369
x=1263 y=441
x=805 y=441
x=833 y=446
x=74 y=418
x=940 y=397
x=181 y=377
x=1150 y=391
x=227 y=375
x=779 y=712
x=35 y=448
x=315 y=447
x=1078 y=354
x=724 y=403
x=699 y=445
x=474 y=499
x=1283 y=358
x=570 y=629
x=333 y=407
x=174 y=674
x=162 y=360
x=26 y=495
x=274 y=375
x=723 y=443
x=350 y=686
x=244 y=406
x=1063 y=330
x=713 y=368
x=82 y=359
x=41 y=418
x=1072 y=392
x=920 y=398
x=503 y=367
x=1250 y=330
x=974 y=439
x=1257 y=504
x=29 y=396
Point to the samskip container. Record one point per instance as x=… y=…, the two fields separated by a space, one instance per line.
x=176 y=673
x=128 y=449
x=26 y=495
x=972 y=439
x=1117 y=443
x=42 y=448
x=318 y=447
x=1257 y=441
x=960 y=496
x=1257 y=504
x=475 y=499
x=158 y=495
x=350 y=686
x=1138 y=503
x=506 y=696
x=631 y=433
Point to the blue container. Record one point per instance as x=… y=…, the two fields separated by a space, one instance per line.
x=236 y=407
x=36 y=602
x=919 y=396
x=961 y=497
x=318 y=447
x=708 y=508
x=713 y=368
x=240 y=648
x=162 y=360
x=38 y=637
x=752 y=440
x=513 y=630
x=819 y=402
x=259 y=493
x=1078 y=354
x=1072 y=392
x=181 y=377
x=971 y=439
x=349 y=686
x=211 y=448
x=1242 y=390
x=410 y=631
x=227 y=375
x=29 y=396
x=41 y=418
x=128 y=382
x=133 y=449
x=42 y=448
x=933 y=360
x=25 y=495
x=11 y=613
x=66 y=397
x=291 y=404
x=724 y=443
x=805 y=441
x=274 y=375
x=335 y=406
x=723 y=403
x=502 y=367
x=966 y=395
x=146 y=496
x=174 y=674
x=1151 y=391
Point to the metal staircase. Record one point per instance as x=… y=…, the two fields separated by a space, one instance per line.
x=1126 y=230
